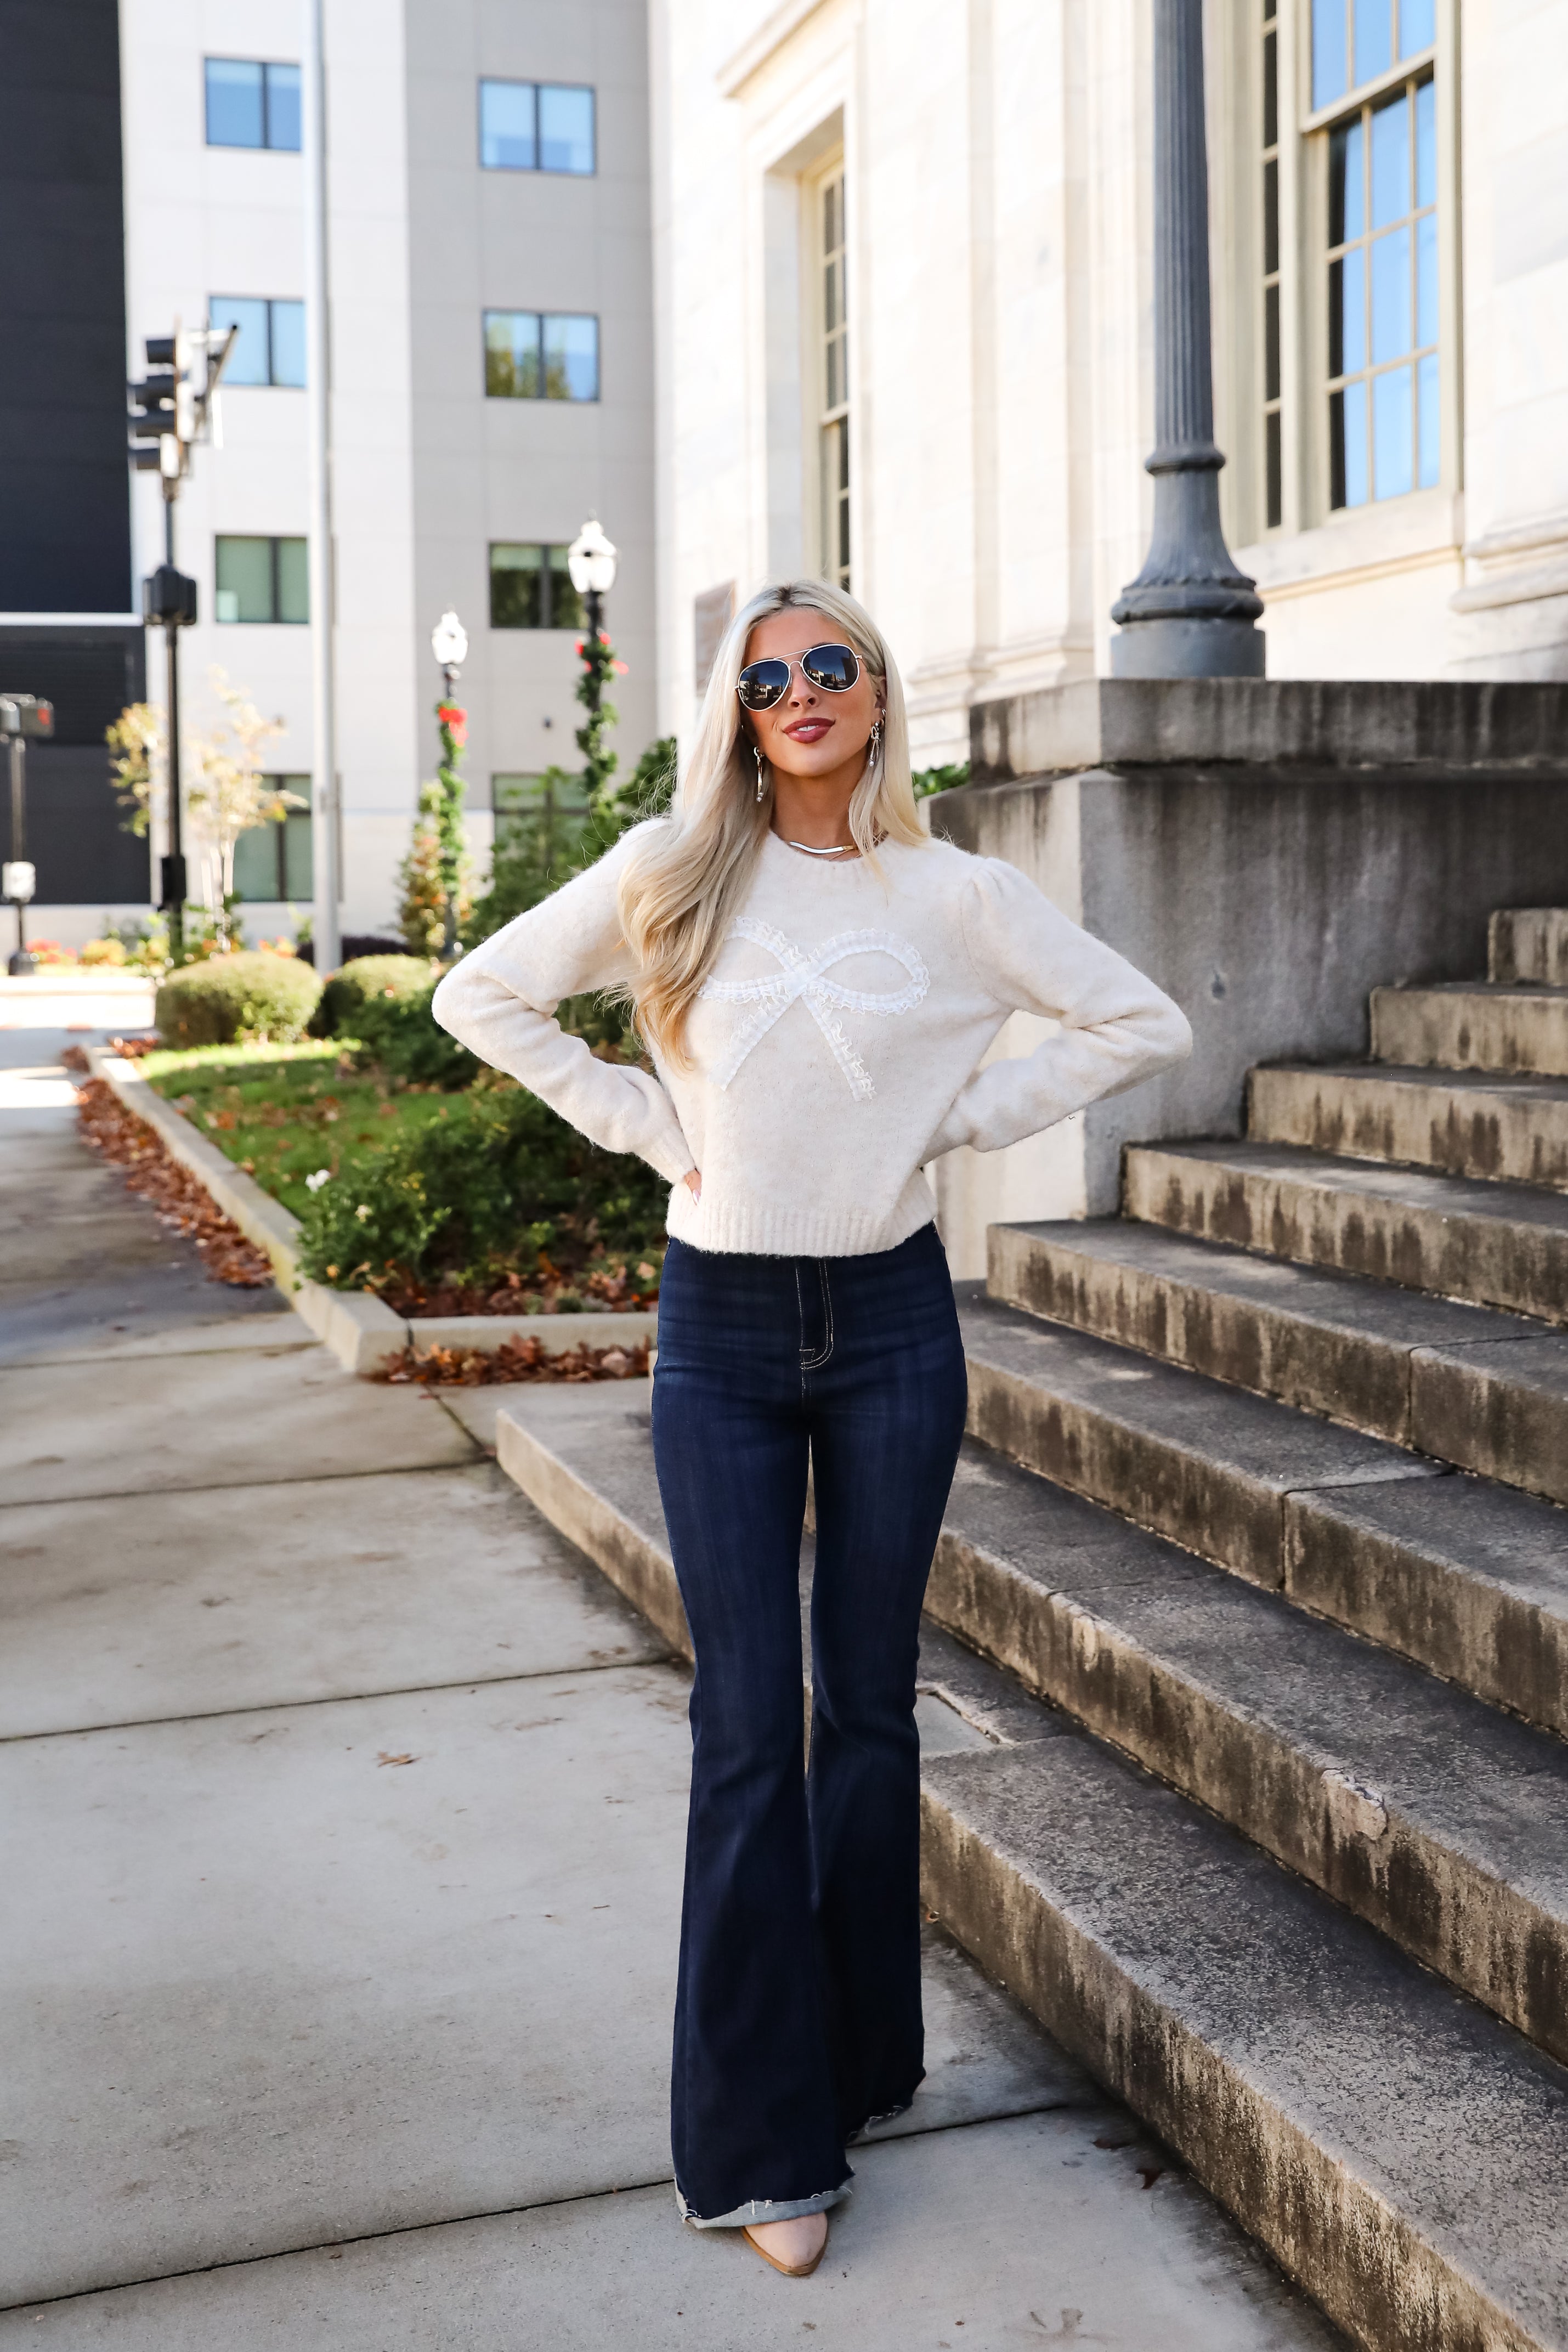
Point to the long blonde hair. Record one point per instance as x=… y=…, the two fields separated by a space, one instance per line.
x=686 y=878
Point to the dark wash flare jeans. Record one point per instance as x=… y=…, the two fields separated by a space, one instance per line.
x=797 y=2010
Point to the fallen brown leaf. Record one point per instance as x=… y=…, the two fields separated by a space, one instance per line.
x=515 y=1359
x=384 y=1758
x=180 y=1198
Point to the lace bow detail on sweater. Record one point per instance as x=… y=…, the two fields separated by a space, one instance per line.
x=803 y=980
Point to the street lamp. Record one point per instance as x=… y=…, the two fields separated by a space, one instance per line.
x=449 y=644
x=21 y=715
x=1190 y=613
x=590 y=560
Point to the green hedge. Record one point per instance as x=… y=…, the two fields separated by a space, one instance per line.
x=234 y=997
x=402 y=1036
x=479 y=1191
x=368 y=980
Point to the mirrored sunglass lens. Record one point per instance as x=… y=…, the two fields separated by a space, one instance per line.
x=761 y=683
x=833 y=667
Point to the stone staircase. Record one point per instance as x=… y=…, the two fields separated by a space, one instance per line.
x=1244 y=1679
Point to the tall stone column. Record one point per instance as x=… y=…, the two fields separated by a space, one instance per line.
x=1189 y=612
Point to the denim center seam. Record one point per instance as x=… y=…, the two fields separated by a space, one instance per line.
x=810 y=1362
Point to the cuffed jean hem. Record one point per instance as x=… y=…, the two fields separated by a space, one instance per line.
x=764 y=2208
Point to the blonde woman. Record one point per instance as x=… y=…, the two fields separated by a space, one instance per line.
x=816 y=982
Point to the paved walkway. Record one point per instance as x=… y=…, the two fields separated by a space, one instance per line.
x=344 y=1808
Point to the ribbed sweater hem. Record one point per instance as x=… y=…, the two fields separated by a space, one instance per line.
x=752 y=1230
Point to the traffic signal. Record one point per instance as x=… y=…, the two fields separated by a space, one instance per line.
x=175 y=407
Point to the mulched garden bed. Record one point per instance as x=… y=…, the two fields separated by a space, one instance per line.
x=514 y=1360
x=180 y=1199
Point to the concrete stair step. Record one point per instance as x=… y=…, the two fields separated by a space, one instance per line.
x=1402 y=2153
x=1495 y=1245
x=1529 y=943
x=1486 y=1391
x=1473 y=1025
x=1427 y=1812
x=1212 y=1467
x=1463 y=1123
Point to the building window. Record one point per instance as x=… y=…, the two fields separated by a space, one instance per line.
x=834 y=379
x=534 y=355
x=526 y=126
x=1273 y=419
x=252 y=105
x=270 y=345
x=276 y=862
x=262 y=580
x=1384 y=395
x=530 y=588
x=542 y=815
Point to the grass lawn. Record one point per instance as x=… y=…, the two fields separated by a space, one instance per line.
x=283 y=1111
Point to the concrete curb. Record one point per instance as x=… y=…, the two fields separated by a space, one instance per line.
x=360 y=1329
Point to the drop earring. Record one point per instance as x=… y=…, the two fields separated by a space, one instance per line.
x=761 y=788
x=874 y=751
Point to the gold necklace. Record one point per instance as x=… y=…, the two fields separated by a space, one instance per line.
x=840 y=849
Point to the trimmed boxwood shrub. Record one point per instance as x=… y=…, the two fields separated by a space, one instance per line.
x=495 y=1178
x=233 y=998
x=366 y=979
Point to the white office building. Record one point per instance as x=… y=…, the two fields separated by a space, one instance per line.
x=491 y=325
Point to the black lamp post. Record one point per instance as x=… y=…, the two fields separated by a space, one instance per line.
x=1189 y=612
x=21 y=715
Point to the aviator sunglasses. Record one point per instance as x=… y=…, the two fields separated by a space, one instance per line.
x=763 y=684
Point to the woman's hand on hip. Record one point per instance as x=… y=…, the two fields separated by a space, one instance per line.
x=692 y=1179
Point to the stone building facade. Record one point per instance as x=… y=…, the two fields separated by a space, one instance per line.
x=904 y=256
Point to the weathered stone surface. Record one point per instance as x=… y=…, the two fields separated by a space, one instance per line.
x=1474 y=1027
x=1311 y=727
x=1468 y=1578
x=1468 y=1123
x=1361 y=2118
x=1326 y=1341
x=1401 y=2153
x=1208 y=1466
x=1529 y=943
x=1435 y=1818
x=1497 y=1244
x=1500 y=1409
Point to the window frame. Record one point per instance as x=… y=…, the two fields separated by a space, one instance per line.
x=832 y=421
x=274 y=542
x=269 y=303
x=543 y=319
x=266 y=67
x=303 y=821
x=1304 y=197
x=578 y=89
x=550 y=573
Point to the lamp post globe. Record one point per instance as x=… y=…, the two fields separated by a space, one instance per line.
x=449 y=644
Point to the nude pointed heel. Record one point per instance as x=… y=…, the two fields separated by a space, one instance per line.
x=786 y=2270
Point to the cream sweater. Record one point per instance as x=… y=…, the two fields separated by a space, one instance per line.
x=833 y=1047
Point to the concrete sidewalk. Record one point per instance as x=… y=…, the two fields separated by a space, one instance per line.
x=343 y=1811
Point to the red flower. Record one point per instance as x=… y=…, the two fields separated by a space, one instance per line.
x=620 y=669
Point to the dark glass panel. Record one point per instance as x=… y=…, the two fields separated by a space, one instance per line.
x=1274 y=470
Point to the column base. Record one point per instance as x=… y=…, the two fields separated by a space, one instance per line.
x=1210 y=647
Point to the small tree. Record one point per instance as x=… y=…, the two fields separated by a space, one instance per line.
x=231 y=795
